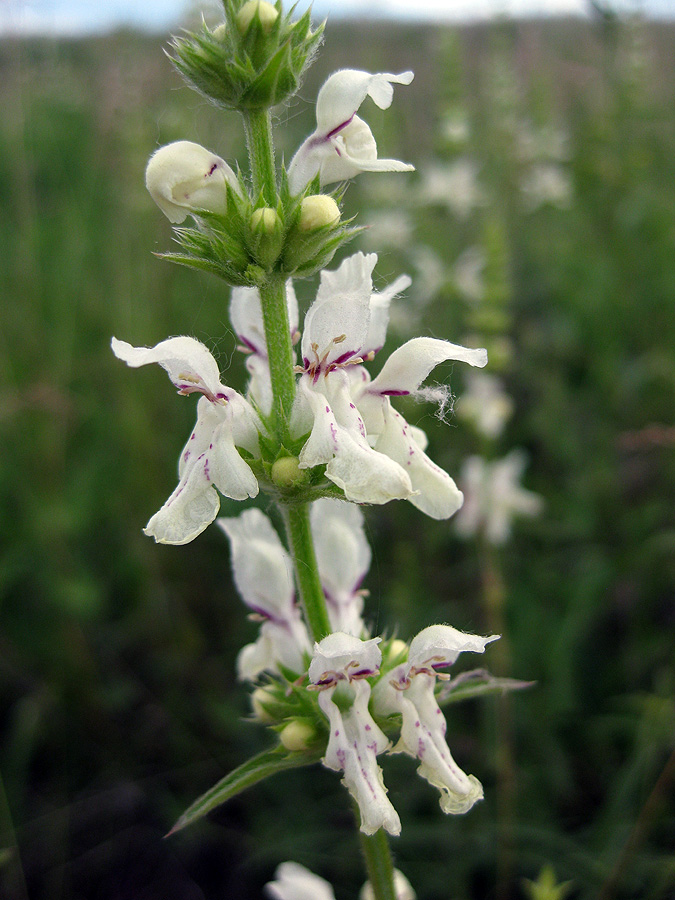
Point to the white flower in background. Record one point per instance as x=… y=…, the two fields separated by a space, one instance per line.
x=454 y=127
x=184 y=177
x=544 y=142
x=247 y=321
x=343 y=661
x=388 y=228
x=493 y=496
x=453 y=185
x=402 y=888
x=409 y=690
x=485 y=403
x=263 y=575
x=369 y=449
x=343 y=556
x=295 y=882
x=546 y=184
x=469 y=272
x=343 y=145
x=210 y=459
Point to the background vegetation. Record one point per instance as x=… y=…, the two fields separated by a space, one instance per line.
x=118 y=702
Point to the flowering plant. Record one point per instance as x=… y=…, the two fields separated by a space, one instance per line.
x=315 y=432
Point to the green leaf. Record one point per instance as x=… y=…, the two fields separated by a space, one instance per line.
x=478 y=683
x=262 y=766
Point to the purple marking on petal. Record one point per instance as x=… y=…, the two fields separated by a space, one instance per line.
x=368 y=728
x=344 y=357
x=186 y=456
x=221 y=396
x=351 y=406
x=212 y=169
x=417 y=724
x=392 y=392
x=328 y=409
x=338 y=128
x=337 y=733
x=421 y=749
x=193 y=436
x=333 y=431
x=210 y=446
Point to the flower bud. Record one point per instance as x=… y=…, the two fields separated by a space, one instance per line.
x=260 y=9
x=297 y=735
x=184 y=177
x=261 y=699
x=286 y=472
x=265 y=219
x=318 y=211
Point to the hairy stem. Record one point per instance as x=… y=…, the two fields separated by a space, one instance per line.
x=296 y=519
x=380 y=866
x=258 y=128
x=279 y=353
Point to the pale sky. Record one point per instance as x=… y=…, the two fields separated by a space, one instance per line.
x=87 y=16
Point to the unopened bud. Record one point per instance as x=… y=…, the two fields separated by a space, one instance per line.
x=265 y=12
x=317 y=211
x=297 y=735
x=286 y=472
x=220 y=31
x=261 y=698
x=265 y=219
x=184 y=177
x=397 y=648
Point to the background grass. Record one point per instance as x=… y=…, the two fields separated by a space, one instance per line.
x=118 y=702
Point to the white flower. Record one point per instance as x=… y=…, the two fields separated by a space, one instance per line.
x=546 y=183
x=354 y=740
x=184 y=177
x=263 y=574
x=295 y=882
x=454 y=186
x=369 y=450
x=343 y=556
x=402 y=888
x=343 y=145
x=247 y=319
x=409 y=690
x=493 y=496
x=210 y=459
x=486 y=404
x=469 y=274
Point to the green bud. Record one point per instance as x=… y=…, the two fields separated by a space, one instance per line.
x=297 y=735
x=260 y=9
x=318 y=211
x=265 y=236
x=286 y=473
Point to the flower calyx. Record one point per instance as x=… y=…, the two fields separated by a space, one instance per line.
x=254 y=60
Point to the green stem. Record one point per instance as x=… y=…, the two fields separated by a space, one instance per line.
x=279 y=353
x=379 y=864
x=296 y=519
x=258 y=128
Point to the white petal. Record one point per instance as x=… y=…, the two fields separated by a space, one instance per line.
x=353 y=750
x=423 y=735
x=188 y=511
x=189 y=364
x=379 y=313
x=295 y=882
x=341 y=308
x=402 y=888
x=343 y=556
x=247 y=319
x=409 y=365
x=262 y=569
x=184 y=176
x=344 y=655
x=435 y=493
x=440 y=645
x=344 y=92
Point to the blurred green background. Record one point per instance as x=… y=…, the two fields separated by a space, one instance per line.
x=118 y=700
